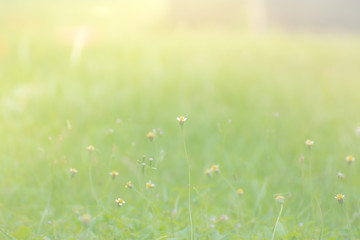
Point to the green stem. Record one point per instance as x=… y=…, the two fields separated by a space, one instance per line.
x=234 y=192
x=277 y=221
x=189 y=182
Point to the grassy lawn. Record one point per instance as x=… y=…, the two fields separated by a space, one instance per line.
x=251 y=102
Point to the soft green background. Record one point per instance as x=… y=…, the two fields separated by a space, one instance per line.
x=147 y=72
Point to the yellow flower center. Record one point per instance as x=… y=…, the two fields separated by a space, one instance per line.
x=215 y=167
x=339 y=197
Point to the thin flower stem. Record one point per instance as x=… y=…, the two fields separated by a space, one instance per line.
x=148 y=200
x=189 y=181
x=91 y=181
x=277 y=221
x=347 y=218
x=228 y=182
x=234 y=191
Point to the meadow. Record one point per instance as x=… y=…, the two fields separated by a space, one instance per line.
x=251 y=101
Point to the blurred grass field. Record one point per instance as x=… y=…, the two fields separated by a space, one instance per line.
x=251 y=101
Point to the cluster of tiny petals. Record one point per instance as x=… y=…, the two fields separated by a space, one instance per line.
x=340 y=197
x=114 y=173
x=120 y=202
x=129 y=185
x=309 y=143
x=149 y=185
x=240 y=191
x=181 y=120
x=280 y=199
x=350 y=159
x=90 y=148
x=150 y=136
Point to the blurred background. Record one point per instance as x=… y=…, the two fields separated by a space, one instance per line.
x=279 y=71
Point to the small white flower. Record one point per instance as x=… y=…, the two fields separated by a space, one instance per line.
x=181 y=120
x=150 y=136
x=340 y=197
x=120 y=202
x=129 y=185
x=350 y=159
x=280 y=199
x=208 y=172
x=113 y=174
x=73 y=172
x=341 y=175
x=357 y=131
x=149 y=185
x=224 y=218
x=90 y=148
x=309 y=143
x=215 y=168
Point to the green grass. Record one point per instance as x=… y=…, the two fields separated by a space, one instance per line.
x=147 y=78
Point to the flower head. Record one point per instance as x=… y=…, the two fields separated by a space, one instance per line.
x=350 y=159
x=181 y=120
x=208 y=172
x=113 y=174
x=280 y=199
x=86 y=218
x=120 y=202
x=109 y=131
x=357 y=131
x=301 y=159
x=340 y=197
x=215 y=168
x=240 y=191
x=90 y=148
x=150 y=136
x=309 y=143
x=129 y=185
x=73 y=172
x=223 y=218
x=341 y=175
x=150 y=185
